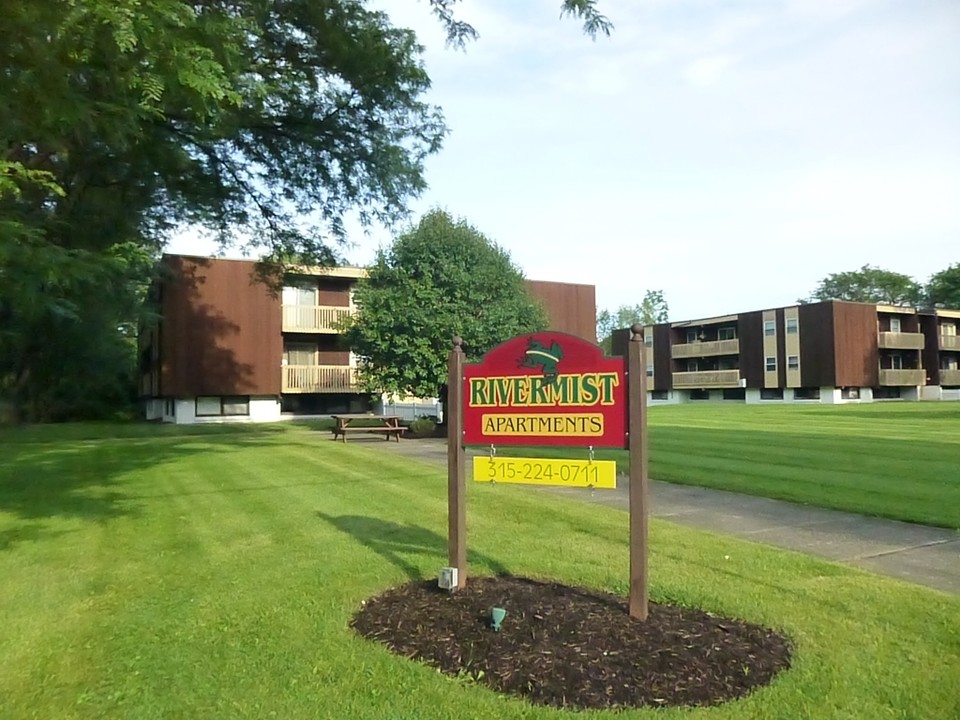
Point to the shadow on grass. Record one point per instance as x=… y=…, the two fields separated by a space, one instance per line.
x=91 y=480
x=393 y=542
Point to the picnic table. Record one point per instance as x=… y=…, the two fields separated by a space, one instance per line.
x=389 y=425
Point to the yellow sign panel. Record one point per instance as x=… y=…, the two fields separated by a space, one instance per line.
x=566 y=425
x=537 y=471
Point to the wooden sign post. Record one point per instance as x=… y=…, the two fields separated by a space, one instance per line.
x=456 y=474
x=637 y=444
x=555 y=389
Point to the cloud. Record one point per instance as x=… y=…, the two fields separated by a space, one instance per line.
x=708 y=70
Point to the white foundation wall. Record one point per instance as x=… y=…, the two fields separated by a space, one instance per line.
x=828 y=396
x=262 y=409
x=160 y=409
x=910 y=393
x=153 y=409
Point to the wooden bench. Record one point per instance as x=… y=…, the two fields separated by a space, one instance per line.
x=389 y=425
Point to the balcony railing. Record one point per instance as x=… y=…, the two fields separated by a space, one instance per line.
x=313 y=318
x=901 y=341
x=707 y=379
x=950 y=377
x=319 y=379
x=950 y=342
x=903 y=377
x=706 y=349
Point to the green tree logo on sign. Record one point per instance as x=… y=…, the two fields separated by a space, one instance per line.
x=538 y=355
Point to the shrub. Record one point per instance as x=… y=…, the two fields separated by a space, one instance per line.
x=423 y=427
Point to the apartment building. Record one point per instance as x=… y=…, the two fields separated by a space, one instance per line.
x=828 y=352
x=225 y=348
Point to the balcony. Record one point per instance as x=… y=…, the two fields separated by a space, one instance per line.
x=706 y=349
x=903 y=377
x=950 y=377
x=707 y=378
x=950 y=342
x=901 y=341
x=319 y=379
x=313 y=318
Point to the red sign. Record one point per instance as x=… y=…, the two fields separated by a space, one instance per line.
x=546 y=388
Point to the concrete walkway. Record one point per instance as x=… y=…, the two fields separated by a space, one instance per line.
x=917 y=553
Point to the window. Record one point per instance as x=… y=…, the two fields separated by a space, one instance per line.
x=734 y=394
x=216 y=406
x=208 y=406
x=649 y=370
x=769 y=327
x=691 y=336
x=793 y=362
x=727 y=333
x=659 y=395
x=699 y=394
x=949 y=363
x=239 y=405
x=792 y=326
x=807 y=393
x=648 y=338
x=771 y=363
x=300 y=295
x=948 y=329
x=771 y=394
x=692 y=366
x=300 y=354
x=894 y=324
x=727 y=363
x=896 y=362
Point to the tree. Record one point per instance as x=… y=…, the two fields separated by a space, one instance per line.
x=264 y=122
x=651 y=310
x=439 y=279
x=943 y=289
x=869 y=285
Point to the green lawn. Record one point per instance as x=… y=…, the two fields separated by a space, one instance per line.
x=213 y=573
x=895 y=460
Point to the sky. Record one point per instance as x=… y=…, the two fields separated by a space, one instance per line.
x=729 y=153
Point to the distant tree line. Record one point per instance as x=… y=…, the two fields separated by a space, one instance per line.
x=875 y=285
x=652 y=309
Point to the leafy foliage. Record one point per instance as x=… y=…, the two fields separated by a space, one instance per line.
x=440 y=279
x=126 y=118
x=943 y=289
x=262 y=122
x=869 y=285
x=651 y=310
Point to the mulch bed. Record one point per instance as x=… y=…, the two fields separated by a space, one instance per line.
x=572 y=647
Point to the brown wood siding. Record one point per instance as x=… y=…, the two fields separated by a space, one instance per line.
x=220 y=332
x=662 y=358
x=750 y=334
x=855 y=342
x=817 y=363
x=619 y=341
x=930 y=355
x=333 y=292
x=571 y=308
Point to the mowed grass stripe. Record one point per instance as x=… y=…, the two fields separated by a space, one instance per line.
x=797 y=467
x=916 y=421
x=894 y=460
